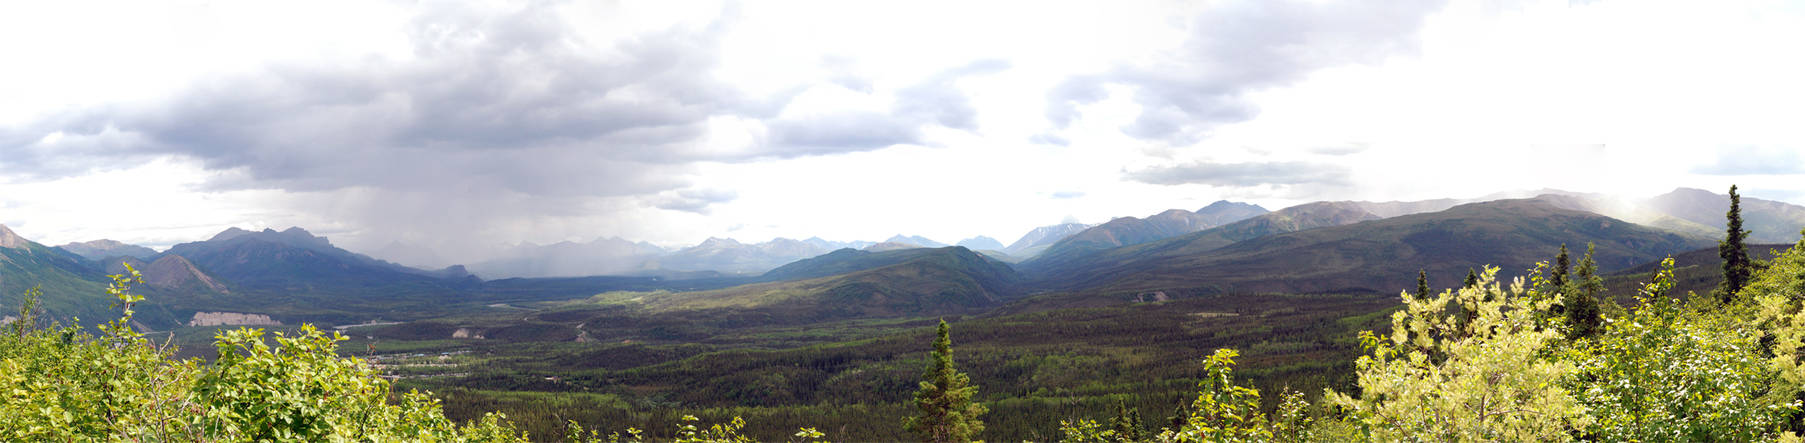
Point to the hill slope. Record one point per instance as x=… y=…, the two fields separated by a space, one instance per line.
x=1698 y=271
x=1769 y=221
x=1382 y=256
x=906 y=282
x=71 y=287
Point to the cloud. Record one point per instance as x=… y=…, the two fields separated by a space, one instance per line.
x=934 y=101
x=496 y=98
x=1065 y=195
x=483 y=122
x=693 y=200
x=938 y=100
x=1049 y=139
x=1751 y=160
x=1243 y=174
x=847 y=131
x=1236 y=48
x=1339 y=150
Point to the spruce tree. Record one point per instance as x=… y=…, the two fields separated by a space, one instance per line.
x=944 y=400
x=1422 y=284
x=1127 y=423
x=1134 y=424
x=1561 y=266
x=1181 y=415
x=1584 y=317
x=1557 y=283
x=1736 y=258
x=1472 y=279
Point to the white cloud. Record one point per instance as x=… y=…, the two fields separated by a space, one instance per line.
x=675 y=122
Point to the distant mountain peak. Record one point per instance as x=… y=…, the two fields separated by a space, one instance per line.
x=1220 y=205
x=891 y=246
x=9 y=239
x=915 y=240
x=980 y=243
x=103 y=248
x=229 y=233
x=717 y=242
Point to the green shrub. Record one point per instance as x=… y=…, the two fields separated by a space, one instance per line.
x=61 y=383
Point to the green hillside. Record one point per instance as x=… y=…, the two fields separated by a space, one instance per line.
x=1768 y=221
x=848 y=260
x=1698 y=271
x=881 y=284
x=70 y=288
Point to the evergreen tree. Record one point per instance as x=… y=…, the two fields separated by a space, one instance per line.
x=1561 y=266
x=1422 y=284
x=1584 y=317
x=1128 y=423
x=1472 y=279
x=1736 y=258
x=947 y=412
x=1134 y=423
x=1180 y=415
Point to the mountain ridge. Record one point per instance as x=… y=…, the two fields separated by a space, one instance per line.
x=1383 y=255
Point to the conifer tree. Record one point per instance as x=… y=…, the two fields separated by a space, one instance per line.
x=1584 y=317
x=1180 y=415
x=1134 y=423
x=1561 y=266
x=1736 y=258
x=1472 y=279
x=944 y=400
x=1422 y=284
x=1128 y=423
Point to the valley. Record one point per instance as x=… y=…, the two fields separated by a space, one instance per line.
x=1063 y=324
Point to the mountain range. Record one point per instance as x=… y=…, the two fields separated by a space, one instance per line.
x=1226 y=247
x=1381 y=255
x=1129 y=231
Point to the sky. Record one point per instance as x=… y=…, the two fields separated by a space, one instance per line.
x=446 y=130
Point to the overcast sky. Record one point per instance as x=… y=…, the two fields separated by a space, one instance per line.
x=461 y=126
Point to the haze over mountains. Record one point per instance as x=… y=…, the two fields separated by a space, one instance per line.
x=1225 y=247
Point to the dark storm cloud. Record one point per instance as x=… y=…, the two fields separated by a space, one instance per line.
x=1750 y=160
x=517 y=102
x=1243 y=174
x=1239 y=47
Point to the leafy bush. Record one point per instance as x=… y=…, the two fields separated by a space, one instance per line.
x=1496 y=362
x=1490 y=375
x=61 y=383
